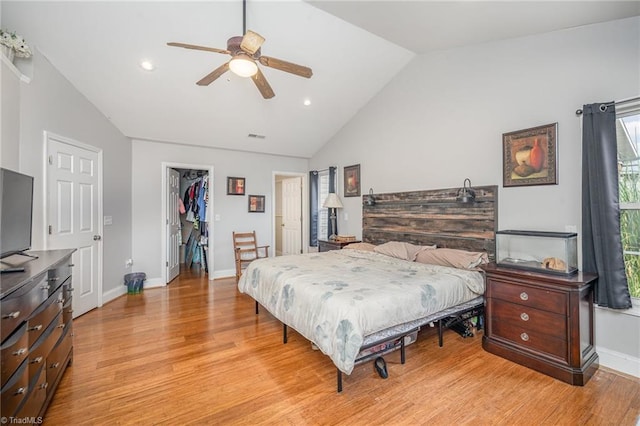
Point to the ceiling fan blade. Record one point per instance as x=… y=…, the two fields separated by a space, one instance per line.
x=209 y=78
x=196 y=47
x=251 y=42
x=263 y=85
x=289 y=67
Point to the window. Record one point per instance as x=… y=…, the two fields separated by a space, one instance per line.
x=323 y=213
x=628 y=139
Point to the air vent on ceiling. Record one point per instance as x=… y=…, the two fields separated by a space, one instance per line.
x=253 y=135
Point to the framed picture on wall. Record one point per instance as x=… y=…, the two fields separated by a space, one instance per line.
x=352 y=181
x=235 y=186
x=529 y=156
x=256 y=203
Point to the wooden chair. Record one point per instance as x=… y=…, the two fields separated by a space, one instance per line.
x=246 y=250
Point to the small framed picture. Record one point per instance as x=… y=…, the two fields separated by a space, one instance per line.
x=256 y=203
x=352 y=181
x=529 y=156
x=235 y=186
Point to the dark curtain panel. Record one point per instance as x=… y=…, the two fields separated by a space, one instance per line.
x=313 y=208
x=601 y=243
x=332 y=188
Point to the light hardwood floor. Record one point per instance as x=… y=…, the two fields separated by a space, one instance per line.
x=196 y=353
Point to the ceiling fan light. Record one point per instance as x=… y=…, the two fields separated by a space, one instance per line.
x=243 y=66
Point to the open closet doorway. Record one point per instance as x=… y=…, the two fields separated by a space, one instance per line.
x=288 y=213
x=187 y=228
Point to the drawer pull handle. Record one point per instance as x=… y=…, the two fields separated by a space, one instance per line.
x=37 y=360
x=20 y=391
x=44 y=385
x=55 y=365
x=15 y=314
x=524 y=316
x=46 y=287
x=71 y=265
x=525 y=337
x=36 y=327
x=524 y=296
x=61 y=326
x=20 y=351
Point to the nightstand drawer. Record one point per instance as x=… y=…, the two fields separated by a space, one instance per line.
x=527 y=337
x=528 y=296
x=550 y=324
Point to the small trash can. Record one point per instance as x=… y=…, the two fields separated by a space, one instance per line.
x=134 y=282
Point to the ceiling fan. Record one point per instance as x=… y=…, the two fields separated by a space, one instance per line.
x=245 y=51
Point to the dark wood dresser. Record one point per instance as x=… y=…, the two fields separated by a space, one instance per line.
x=36 y=330
x=327 y=245
x=541 y=321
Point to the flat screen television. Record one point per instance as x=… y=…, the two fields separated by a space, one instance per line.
x=16 y=211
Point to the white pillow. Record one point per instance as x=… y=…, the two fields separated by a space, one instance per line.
x=400 y=250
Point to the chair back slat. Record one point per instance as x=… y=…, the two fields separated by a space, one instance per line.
x=246 y=250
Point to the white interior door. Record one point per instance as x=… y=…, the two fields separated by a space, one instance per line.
x=292 y=216
x=73 y=204
x=173 y=224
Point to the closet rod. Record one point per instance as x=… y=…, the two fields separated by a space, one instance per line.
x=603 y=107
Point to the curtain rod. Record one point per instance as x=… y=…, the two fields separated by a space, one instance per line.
x=324 y=170
x=603 y=107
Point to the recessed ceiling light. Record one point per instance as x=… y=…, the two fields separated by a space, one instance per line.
x=307 y=102
x=147 y=65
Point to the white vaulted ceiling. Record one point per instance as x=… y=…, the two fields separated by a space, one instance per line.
x=354 y=48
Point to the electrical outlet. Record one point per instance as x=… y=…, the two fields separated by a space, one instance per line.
x=128 y=263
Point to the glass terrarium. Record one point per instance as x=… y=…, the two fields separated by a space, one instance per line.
x=548 y=252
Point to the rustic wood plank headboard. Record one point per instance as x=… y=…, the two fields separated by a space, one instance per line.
x=434 y=217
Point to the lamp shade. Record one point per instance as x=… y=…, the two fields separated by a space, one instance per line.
x=243 y=65
x=332 y=201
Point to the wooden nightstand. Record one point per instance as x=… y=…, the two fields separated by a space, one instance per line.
x=325 y=245
x=541 y=321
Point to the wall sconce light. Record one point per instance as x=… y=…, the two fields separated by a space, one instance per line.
x=466 y=194
x=371 y=201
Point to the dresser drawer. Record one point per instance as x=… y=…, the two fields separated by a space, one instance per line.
x=14 y=350
x=40 y=350
x=67 y=311
x=57 y=357
x=17 y=306
x=59 y=275
x=530 y=338
x=43 y=316
x=14 y=391
x=539 y=298
x=553 y=325
x=67 y=290
x=36 y=397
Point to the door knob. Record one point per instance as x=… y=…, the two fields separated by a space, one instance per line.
x=97 y=238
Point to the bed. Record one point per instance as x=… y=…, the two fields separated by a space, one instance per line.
x=348 y=301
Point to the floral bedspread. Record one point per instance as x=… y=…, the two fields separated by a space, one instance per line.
x=336 y=298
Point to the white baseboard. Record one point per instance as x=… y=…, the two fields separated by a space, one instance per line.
x=225 y=273
x=623 y=363
x=110 y=295
x=154 y=282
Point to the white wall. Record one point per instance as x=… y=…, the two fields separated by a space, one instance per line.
x=442 y=118
x=10 y=116
x=50 y=103
x=232 y=209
